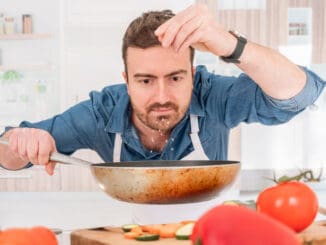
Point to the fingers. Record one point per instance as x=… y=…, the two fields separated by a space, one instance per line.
x=44 y=156
x=33 y=145
x=49 y=168
x=180 y=18
x=44 y=149
x=32 y=149
x=17 y=145
x=168 y=31
x=188 y=34
x=176 y=31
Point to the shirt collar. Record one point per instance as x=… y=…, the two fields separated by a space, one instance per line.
x=195 y=108
x=121 y=111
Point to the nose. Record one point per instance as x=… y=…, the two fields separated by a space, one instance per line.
x=162 y=92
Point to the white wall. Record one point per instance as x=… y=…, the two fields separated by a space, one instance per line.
x=299 y=143
x=93 y=31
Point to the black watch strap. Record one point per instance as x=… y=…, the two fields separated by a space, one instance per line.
x=241 y=43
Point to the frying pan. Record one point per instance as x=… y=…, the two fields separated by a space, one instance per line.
x=158 y=182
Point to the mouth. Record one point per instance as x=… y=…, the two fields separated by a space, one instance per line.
x=162 y=110
x=165 y=109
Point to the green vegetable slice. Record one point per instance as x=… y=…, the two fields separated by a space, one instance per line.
x=185 y=231
x=128 y=227
x=148 y=237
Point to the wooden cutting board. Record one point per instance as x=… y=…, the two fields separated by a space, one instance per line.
x=114 y=236
x=313 y=235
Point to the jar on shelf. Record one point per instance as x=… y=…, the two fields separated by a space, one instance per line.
x=2 y=24
x=27 y=24
x=9 y=25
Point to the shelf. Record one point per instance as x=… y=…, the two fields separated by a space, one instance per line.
x=299 y=40
x=26 y=67
x=21 y=36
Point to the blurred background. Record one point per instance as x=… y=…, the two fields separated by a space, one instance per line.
x=53 y=53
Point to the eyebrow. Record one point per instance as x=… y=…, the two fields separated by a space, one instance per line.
x=167 y=75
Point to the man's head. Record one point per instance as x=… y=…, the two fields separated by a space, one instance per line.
x=159 y=79
x=140 y=33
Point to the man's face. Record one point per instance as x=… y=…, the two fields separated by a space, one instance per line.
x=160 y=83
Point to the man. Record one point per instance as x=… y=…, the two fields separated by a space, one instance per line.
x=167 y=109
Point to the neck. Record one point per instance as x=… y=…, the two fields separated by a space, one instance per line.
x=151 y=139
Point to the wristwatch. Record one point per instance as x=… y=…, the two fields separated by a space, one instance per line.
x=241 y=43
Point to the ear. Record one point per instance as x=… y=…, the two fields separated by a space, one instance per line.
x=124 y=75
x=193 y=70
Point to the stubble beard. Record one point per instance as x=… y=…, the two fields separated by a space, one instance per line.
x=163 y=123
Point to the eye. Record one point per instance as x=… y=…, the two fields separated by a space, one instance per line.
x=144 y=81
x=176 y=78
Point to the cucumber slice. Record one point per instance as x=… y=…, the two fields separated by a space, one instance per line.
x=185 y=231
x=148 y=237
x=128 y=227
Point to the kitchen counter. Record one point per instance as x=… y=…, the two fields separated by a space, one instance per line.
x=63 y=210
x=75 y=210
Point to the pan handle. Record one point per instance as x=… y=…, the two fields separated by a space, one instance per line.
x=61 y=158
x=58 y=157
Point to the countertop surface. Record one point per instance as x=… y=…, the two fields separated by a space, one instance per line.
x=76 y=210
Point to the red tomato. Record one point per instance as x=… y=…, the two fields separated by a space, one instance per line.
x=234 y=225
x=293 y=203
x=28 y=236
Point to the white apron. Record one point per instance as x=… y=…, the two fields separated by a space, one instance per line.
x=171 y=213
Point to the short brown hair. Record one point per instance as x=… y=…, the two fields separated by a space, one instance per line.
x=140 y=32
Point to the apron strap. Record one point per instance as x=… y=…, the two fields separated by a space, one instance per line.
x=194 y=134
x=194 y=124
x=117 y=147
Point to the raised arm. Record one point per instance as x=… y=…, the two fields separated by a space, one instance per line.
x=196 y=27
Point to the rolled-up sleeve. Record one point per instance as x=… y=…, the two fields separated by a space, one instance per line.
x=246 y=102
x=74 y=129
x=307 y=96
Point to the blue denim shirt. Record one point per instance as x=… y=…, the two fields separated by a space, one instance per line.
x=220 y=102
